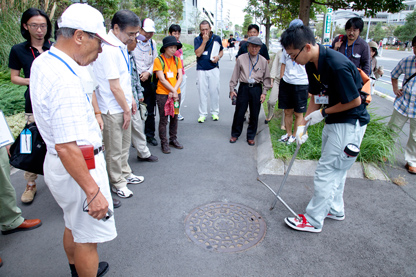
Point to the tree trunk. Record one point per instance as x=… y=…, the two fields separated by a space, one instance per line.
x=304 y=9
x=268 y=24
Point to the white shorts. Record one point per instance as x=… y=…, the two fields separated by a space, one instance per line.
x=70 y=197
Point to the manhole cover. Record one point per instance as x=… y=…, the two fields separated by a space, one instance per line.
x=225 y=227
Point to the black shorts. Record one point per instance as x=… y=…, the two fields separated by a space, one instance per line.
x=293 y=97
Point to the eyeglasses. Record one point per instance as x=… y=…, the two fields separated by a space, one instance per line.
x=299 y=53
x=37 y=26
x=352 y=30
x=97 y=37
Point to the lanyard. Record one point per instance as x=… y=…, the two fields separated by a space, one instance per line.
x=352 y=50
x=144 y=50
x=67 y=65
x=125 y=58
x=253 y=65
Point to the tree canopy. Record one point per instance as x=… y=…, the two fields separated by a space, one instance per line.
x=407 y=31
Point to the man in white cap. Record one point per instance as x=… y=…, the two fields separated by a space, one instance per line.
x=116 y=103
x=74 y=165
x=144 y=54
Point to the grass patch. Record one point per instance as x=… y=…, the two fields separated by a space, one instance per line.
x=378 y=144
x=16 y=123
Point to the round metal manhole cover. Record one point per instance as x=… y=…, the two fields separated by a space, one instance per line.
x=225 y=227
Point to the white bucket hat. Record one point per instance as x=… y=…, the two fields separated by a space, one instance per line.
x=86 y=18
x=148 y=25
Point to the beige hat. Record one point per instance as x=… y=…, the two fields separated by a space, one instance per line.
x=86 y=18
x=373 y=44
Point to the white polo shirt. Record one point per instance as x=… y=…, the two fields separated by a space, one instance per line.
x=61 y=106
x=295 y=74
x=112 y=63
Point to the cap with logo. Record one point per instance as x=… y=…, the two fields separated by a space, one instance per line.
x=86 y=18
x=148 y=25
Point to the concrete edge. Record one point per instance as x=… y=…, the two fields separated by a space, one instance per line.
x=268 y=165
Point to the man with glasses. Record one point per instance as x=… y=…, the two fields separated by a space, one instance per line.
x=36 y=28
x=293 y=91
x=116 y=102
x=353 y=46
x=335 y=84
x=66 y=121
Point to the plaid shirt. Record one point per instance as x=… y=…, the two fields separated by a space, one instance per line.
x=135 y=80
x=405 y=104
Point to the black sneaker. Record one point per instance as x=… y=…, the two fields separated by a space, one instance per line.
x=102 y=269
x=152 y=141
x=151 y=159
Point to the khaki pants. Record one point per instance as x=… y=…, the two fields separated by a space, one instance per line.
x=117 y=144
x=10 y=214
x=138 y=138
x=396 y=123
x=29 y=176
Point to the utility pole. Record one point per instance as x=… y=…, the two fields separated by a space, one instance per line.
x=216 y=17
x=368 y=28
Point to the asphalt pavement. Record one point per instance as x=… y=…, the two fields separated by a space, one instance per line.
x=377 y=238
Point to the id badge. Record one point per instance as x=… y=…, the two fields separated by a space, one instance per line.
x=292 y=71
x=251 y=81
x=321 y=99
x=26 y=142
x=205 y=53
x=169 y=74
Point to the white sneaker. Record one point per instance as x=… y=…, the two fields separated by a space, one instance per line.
x=335 y=217
x=134 y=180
x=302 y=225
x=284 y=138
x=123 y=192
x=290 y=140
x=180 y=117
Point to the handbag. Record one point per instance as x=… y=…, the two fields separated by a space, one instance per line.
x=33 y=156
x=143 y=110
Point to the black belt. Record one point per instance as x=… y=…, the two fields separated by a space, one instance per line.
x=250 y=85
x=98 y=150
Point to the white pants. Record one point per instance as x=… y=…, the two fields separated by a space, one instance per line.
x=183 y=90
x=70 y=197
x=331 y=171
x=231 y=52
x=396 y=123
x=208 y=82
x=138 y=138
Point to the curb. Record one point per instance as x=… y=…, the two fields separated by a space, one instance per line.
x=268 y=165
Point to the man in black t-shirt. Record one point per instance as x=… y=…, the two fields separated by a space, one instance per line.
x=36 y=28
x=231 y=46
x=335 y=84
x=253 y=31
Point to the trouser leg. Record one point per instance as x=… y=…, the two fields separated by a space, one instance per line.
x=274 y=95
x=329 y=179
x=114 y=147
x=254 y=105
x=163 y=120
x=396 y=123
x=203 y=92
x=240 y=109
x=10 y=214
x=183 y=90
x=138 y=138
x=214 y=90
x=150 y=100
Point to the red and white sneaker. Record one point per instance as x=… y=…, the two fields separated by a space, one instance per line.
x=335 y=217
x=302 y=225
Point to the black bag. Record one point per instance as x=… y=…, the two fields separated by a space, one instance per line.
x=32 y=162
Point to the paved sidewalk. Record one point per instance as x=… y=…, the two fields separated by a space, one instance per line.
x=377 y=238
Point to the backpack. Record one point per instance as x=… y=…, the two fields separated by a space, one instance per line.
x=162 y=62
x=365 y=92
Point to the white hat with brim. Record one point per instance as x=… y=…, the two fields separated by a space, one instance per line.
x=88 y=19
x=148 y=25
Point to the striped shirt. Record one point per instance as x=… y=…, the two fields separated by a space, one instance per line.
x=61 y=106
x=405 y=104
